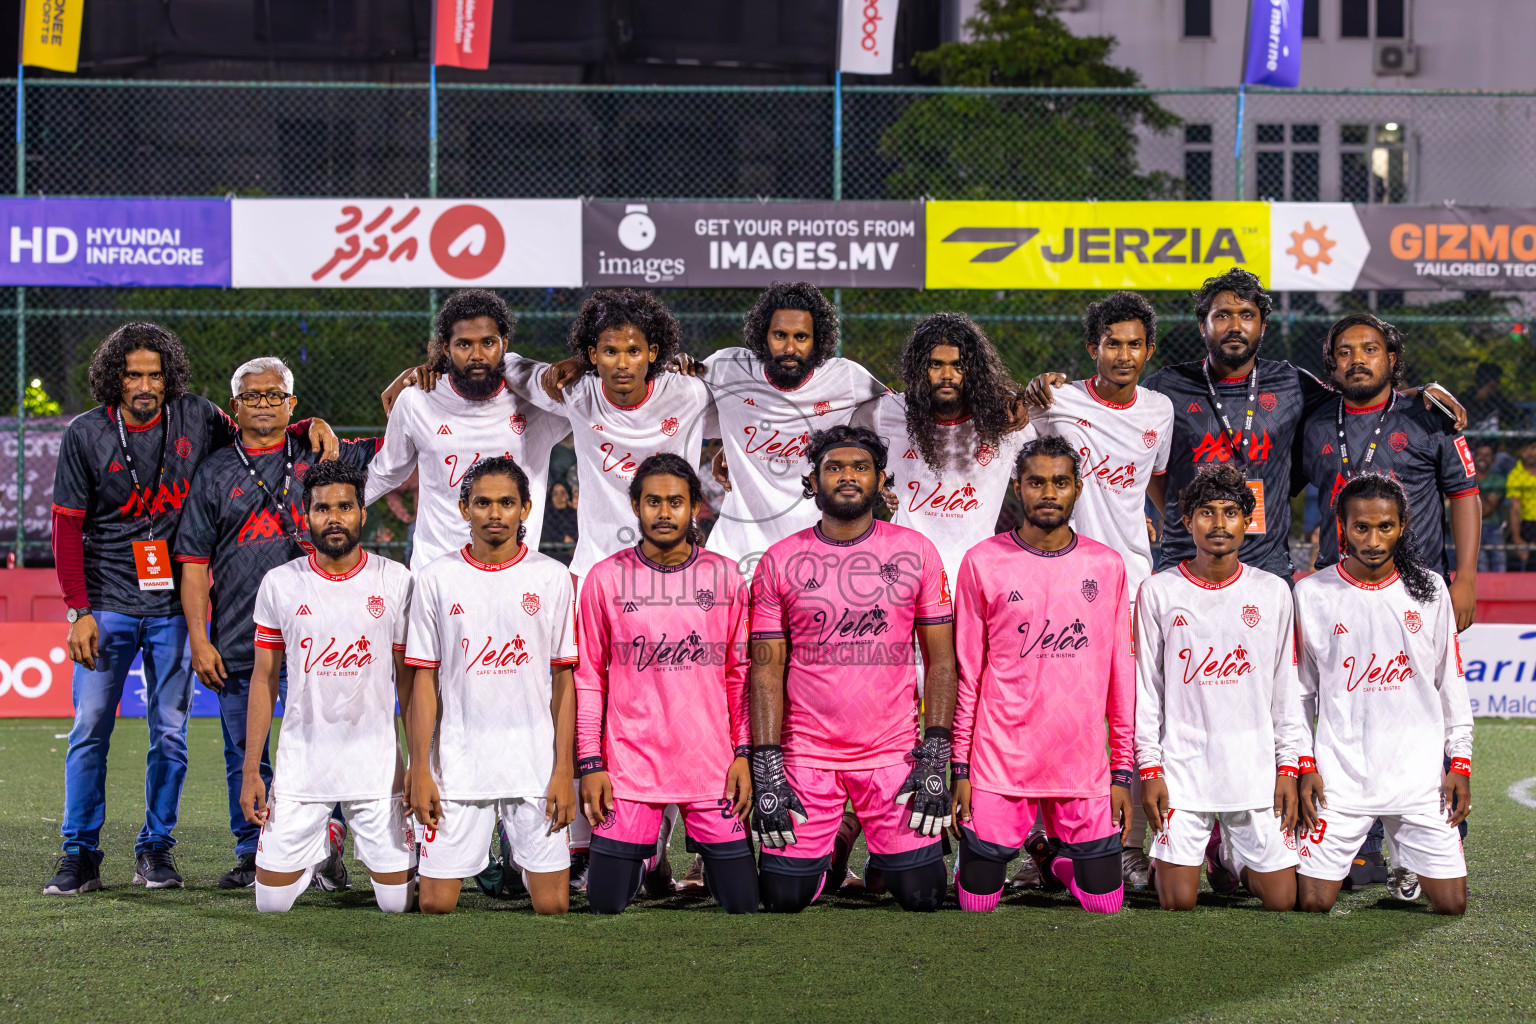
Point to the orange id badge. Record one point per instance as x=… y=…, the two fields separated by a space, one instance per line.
x=1256 y=522
x=152 y=559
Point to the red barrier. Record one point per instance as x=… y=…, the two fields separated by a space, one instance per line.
x=30 y=595
x=35 y=670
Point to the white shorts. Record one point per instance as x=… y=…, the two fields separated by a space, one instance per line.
x=1253 y=839
x=460 y=845
x=294 y=837
x=1422 y=843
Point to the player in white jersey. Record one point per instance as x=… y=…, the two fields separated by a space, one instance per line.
x=1124 y=433
x=1218 y=709
x=493 y=639
x=440 y=434
x=1381 y=673
x=959 y=429
x=339 y=616
x=768 y=397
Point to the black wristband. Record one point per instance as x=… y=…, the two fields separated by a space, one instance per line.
x=959 y=770
x=745 y=750
x=1120 y=777
x=938 y=731
x=590 y=766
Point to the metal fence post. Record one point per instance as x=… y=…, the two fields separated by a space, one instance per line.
x=21 y=339
x=837 y=135
x=1237 y=144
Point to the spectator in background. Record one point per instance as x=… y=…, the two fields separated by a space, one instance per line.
x=559 y=523
x=1491 y=556
x=1488 y=408
x=1520 y=492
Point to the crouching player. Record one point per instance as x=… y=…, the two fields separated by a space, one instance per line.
x=1045 y=657
x=834 y=687
x=1381 y=673
x=339 y=615
x=1218 y=709
x=493 y=639
x=661 y=699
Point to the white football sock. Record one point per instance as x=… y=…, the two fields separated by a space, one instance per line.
x=277 y=899
x=394 y=899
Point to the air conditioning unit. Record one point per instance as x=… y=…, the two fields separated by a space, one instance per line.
x=1395 y=57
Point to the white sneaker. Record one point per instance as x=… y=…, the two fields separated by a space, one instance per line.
x=1403 y=885
x=1135 y=868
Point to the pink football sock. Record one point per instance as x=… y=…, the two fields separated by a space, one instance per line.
x=971 y=901
x=1094 y=903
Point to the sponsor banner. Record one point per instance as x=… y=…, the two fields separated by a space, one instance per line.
x=152 y=243
x=50 y=34
x=406 y=243
x=1315 y=247
x=1500 y=665
x=1449 y=247
x=1274 y=44
x=35 y=670
x=463 y=34
x=1173 y=245
x=866 y=32
x=749 y=245
x=43 y=436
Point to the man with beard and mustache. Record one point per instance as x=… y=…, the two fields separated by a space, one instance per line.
x=1044 y=649
x=243 y=518
x=340 y=615
x=768 y=398
x=442 y=432
x=1371 y=428
x=834 y=687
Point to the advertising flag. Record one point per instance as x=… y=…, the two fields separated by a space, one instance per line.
x=866 y=32
x=1274 y=44
x=463 y=34
x=50 y=34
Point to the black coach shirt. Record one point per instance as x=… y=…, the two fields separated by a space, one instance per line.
x=1285 y=392
x=92 y=481
x=1418 y=447
x=241 y=533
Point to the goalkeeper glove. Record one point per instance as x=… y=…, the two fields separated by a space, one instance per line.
x=775 y=807
x=926 y=787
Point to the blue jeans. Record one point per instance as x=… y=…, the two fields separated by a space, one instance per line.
x=232 y=704
x=168 y=697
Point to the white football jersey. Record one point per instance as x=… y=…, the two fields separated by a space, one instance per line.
x=441 y=434
x=1218 y=707
x=1123 y=446
x=765 y=431
x=1382 y=675
x=611 y=441
x=338 y=635
x=493 y=632
x=955 y=506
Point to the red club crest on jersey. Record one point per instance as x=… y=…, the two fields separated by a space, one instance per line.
x=376 y=606
x=518 y=422
x=1251 y=615
x=1090 y=589
x=1290 y=840
x=1267 y=401
x=1413 y=621
x=985 y=453
x=669 y=426
x=1149 y=438
x=300 y=469
x=822 y=408
x=183 y=448
x=1398 y=440
x=705 y=599
x=531 y=603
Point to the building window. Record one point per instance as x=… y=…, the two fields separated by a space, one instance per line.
x=1286 y=162
x=1309 y=19
x=1197 y=19
x=1373 y=163
x=1197 y=161
x=1355 y=19
x=1390 y=21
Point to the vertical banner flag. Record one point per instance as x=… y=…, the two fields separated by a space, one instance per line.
x=1274 y=44
x=866 y=36
x=463 y=34
x=50 y=34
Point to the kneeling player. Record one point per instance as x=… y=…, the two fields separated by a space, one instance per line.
x=1044 y=652
x=834 y=687
x=1381 y=673
x=500 y=665
x=1218 y=708
x=340 y=615
x=661 y=699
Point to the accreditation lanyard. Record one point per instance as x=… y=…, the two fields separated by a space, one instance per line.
x=1220 y=411
x=281 y=503
x=133 y=469
x=1370 y=449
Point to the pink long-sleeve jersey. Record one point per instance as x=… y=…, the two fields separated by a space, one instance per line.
x=661 y=690
x=1044 y=645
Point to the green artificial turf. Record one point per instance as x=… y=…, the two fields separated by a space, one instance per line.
x=203 y=954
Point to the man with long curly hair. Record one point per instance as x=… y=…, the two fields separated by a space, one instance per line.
x=956 y=433
x=124 y=470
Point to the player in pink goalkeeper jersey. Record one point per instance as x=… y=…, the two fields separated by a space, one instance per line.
x=1044 y=646
x=1381 y=672
x=661 y=699
x=834 y=687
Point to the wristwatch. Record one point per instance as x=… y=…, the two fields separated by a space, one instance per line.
x=75 y=614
